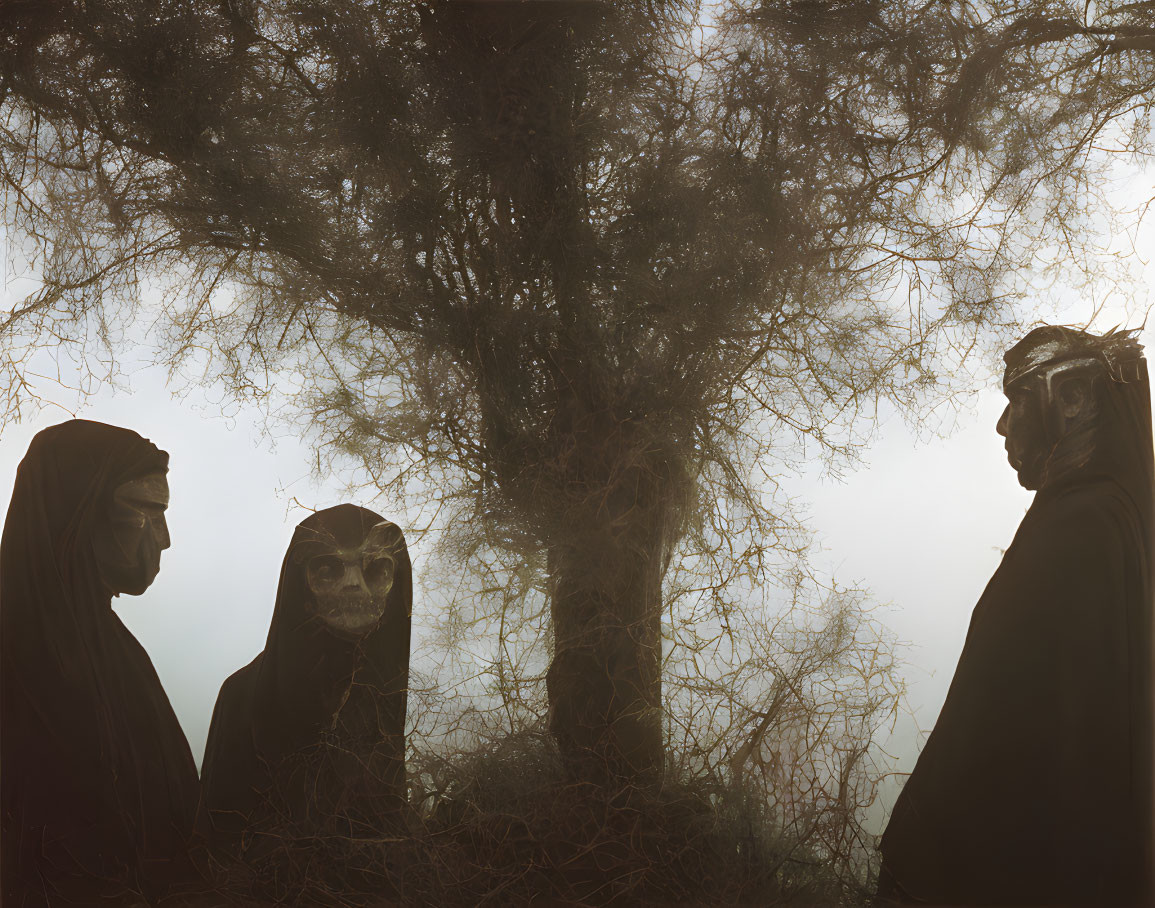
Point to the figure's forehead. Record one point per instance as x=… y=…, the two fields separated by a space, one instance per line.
x=345 y=523
x=377 y=540
x=1029 y=360
x=149 y=489
x=349 y=538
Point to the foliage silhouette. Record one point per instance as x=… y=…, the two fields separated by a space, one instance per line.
x=583 y=281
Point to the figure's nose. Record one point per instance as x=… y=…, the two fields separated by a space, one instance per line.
x=160 y=528
x=353 y=580
x=1001 y=425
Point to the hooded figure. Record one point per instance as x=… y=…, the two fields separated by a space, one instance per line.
x=1035 y=786
x=99 y=787
x=308 y=739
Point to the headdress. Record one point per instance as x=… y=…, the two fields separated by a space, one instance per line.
x=1055 y=350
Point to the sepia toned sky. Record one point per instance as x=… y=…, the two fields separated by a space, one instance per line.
x=921 y=522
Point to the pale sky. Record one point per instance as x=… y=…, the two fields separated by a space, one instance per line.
x=919 y=523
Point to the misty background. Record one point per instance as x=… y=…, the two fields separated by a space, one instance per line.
x=920 y=521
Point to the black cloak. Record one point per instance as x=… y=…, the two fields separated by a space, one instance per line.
x=309 y=737
x=1035 y=787
x=99 y=787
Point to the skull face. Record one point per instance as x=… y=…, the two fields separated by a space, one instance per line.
x=350 y=586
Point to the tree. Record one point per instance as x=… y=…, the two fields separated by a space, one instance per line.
x=587 y=268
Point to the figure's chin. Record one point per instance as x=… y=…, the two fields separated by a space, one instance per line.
x=129 y=584
x=353 y=623
x=1029 y=480
x=351 y=631
x=1029 y=475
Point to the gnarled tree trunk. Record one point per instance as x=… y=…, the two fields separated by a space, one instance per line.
x=604 y=682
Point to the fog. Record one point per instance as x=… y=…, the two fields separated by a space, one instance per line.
x=920 y=522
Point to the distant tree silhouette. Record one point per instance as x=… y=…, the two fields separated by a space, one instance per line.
x=590 y=270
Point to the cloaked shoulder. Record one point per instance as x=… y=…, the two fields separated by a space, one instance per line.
x=1039 y=702
x=227 y=757
x=1074 y=538
x=232 y=700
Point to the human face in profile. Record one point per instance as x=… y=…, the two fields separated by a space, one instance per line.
x=133 y=533
x=1022 y=425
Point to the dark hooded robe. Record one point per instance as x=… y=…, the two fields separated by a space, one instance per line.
x=1035 y=786
x=99 y=787
x=308 y=739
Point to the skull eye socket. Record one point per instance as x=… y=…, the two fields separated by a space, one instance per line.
x=326 y=569
x=378 y=574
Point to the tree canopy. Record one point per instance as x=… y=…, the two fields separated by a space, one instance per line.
x=587 y=273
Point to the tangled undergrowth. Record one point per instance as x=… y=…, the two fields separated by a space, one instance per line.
x=508 y=828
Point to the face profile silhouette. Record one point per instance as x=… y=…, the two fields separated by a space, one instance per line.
x=1035 y=785
x=100 y=790
x=132 y=533
x=1021 y=424
x=1053 y=382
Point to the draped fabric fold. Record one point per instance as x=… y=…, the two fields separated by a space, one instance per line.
x=309 y=736
x=1035 y=786
x=99 y=787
